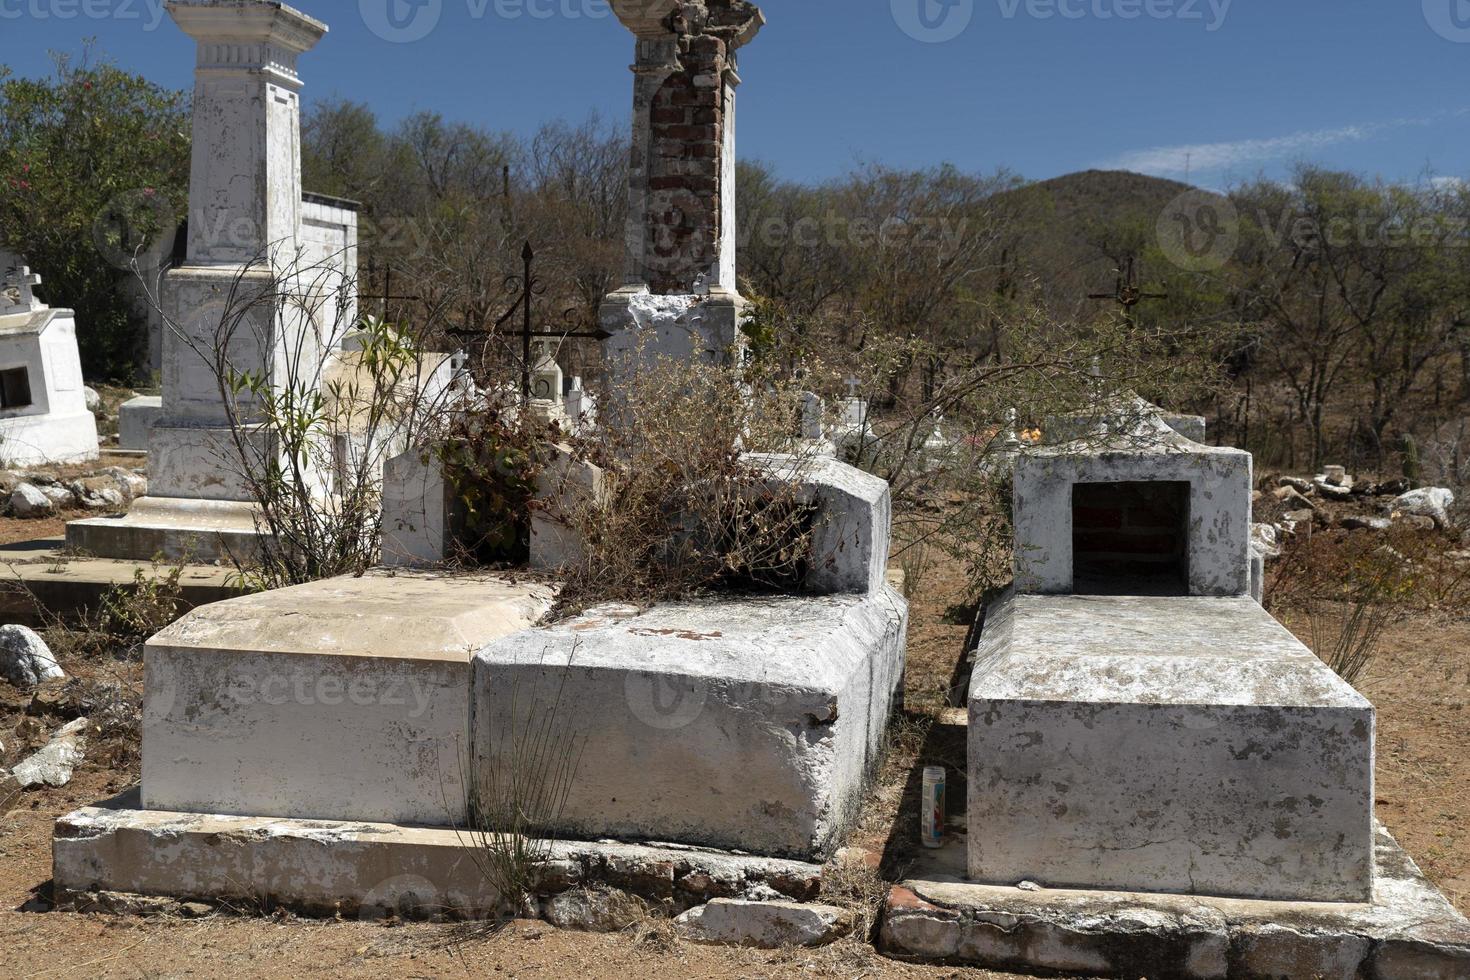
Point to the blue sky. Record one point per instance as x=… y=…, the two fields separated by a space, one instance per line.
x=1044 y=87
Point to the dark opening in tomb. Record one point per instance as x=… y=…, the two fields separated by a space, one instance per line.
x=1130 y=538
x=15 y=388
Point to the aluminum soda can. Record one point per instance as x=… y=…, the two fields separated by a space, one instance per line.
x=931 y=813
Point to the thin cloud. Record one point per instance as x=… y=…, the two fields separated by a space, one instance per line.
x=1209 y=158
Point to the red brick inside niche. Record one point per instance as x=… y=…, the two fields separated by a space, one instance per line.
x=1131 y=538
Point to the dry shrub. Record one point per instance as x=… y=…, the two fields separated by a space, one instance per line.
x=1352 y=587
x=683 y=508
x=517 y=794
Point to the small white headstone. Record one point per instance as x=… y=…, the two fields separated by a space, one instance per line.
x=811 y=416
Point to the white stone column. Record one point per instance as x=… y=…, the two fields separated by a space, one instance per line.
x=245 y=214
x=245 y=174
x=235 y=292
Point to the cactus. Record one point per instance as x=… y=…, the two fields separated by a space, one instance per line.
x=1413 y=471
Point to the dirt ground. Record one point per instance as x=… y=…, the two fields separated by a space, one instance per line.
x=1420 y=683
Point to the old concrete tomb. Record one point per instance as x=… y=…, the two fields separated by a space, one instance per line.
x=337 y=734
x=264 y=263
x=43 y=409
x=1159 y=773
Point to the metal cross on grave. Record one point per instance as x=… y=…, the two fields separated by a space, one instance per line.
x=530 y=287
x=1127 y=293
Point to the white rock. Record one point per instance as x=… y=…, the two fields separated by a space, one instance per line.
x=27 y=502
x=1264 y=540
x=1431 y=502
x=59 y=496
x=765 y=925
x=53 y=765
x=132 y=483
x=25 y=660
x=594 y=910
x=94 y=400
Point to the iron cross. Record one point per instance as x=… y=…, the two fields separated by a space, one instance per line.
x=1127 y=293
x=530 y=287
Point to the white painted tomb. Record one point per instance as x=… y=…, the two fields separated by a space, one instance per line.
x=43 y=409
x=268 y=724
x=745 y=723
x=1183 y=745
x=360 y=713
x=1162 y=781
x=249 y=230
x=1137 y=722
x=346 y=699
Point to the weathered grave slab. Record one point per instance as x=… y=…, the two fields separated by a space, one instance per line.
x=174 y=528
x=1187 y=745
x=745 y=723
x=104 y=854
x=1408 y=931
x=346 y=699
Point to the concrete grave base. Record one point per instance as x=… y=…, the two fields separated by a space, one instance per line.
x=109 y=855
x=1183 y=745
x=1407 y=932
x=345 y=699
x=39 y=440
x=749 y=723
x=176 y=528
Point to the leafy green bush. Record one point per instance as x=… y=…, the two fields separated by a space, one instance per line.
x=94 y=170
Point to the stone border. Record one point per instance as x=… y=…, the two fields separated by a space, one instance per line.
x=1409 y=931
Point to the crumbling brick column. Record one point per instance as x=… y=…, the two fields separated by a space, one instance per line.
x=681 y=184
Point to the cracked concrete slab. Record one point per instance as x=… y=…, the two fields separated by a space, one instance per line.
x=115 y=849
x=1408 y=931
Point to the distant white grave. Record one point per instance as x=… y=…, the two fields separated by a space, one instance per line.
x=43 y=408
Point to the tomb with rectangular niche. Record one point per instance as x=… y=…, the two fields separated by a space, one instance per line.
x=1161 y=780
x=43 y=407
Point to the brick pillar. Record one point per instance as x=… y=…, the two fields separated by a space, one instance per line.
x=680 y=265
